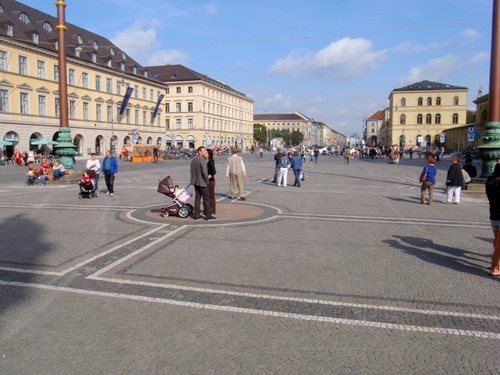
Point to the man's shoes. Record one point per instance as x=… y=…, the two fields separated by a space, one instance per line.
x=197 y=218
x=110 y=193
x=230 y=197
x=211 y=218
x=107 y=192
x=242 y=198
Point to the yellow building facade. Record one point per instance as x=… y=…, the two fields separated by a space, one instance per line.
x=420 y=112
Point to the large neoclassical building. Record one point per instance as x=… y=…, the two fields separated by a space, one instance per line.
x=200 y=110
x=420 y=112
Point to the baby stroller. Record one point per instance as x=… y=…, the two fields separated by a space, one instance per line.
x=87 y=185
x=180 y=196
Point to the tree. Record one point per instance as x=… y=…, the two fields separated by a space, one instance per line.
x=260 y=133
x=471 y=117
x=296 y=138
x=285 y=134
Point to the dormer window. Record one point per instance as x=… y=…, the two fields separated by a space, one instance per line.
x=79 y=39
x=56 y=45
x=35 y=38
x=1 y=9
x=109 y=62
x=10 y=30
x=157 y=75
x=112 y=51
x=48 y=27
x=94 y=57
x=174 y=75
x=24 y=18
x=95 y=44
x=146 y=74
x=134 y=69
x=122 y=66
x=124 y=56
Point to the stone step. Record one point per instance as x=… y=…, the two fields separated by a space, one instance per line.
x=72 y=178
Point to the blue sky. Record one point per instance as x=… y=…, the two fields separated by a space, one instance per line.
x=334 y=61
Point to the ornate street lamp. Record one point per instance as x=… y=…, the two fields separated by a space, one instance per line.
x=490 y=150
x=65 y=148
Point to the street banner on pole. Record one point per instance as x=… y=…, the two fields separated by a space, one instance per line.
x=126 y=98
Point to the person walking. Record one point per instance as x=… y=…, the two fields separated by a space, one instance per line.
x=110 y=169
x=235 y=170
x=200 y=181
x=296 y=164
x=347 y=155
x=284 y=164
x=493 y=193
x=428 y=179
x=454 y=181
x=211 y=179
x=277 y=158
x=261 y=151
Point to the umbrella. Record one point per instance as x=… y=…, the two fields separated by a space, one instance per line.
x=5 y=143
x=44 y=142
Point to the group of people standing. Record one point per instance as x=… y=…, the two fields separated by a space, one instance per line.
x=109 y=168
x=285 y=161
x=203 y=179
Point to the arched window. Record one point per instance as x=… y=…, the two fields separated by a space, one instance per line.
x=420 y=102
x=428 y=119
x=429 y=101
x=455 y=118
x=455 y=100
x=79 y=39
x=403 y=102
x=402 y=119
x=24 y=18
x=419 y=119
x=47 y=26
x=112 y=51
x=437 y=119
x=95 y=44
x=438 y=100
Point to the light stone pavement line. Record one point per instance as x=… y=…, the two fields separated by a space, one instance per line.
x=86 y=261
x=299 y=299
x=68 y=207
x=233 y=309
x=400 y=222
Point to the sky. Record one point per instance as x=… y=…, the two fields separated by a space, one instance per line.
x=334 y=61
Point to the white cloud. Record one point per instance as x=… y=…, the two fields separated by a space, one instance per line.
x=210 y=10
x=343 y=60
x=412 y=47
x=469 y=34
x=434 y=70
x=139 y=42
x=279 y=102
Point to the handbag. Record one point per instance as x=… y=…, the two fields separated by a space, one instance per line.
x=424 y=177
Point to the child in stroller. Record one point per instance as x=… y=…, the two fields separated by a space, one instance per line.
x=87 y=185
x=180 y=196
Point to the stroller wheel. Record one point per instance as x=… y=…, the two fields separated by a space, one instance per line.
x=190 y=208
x=164 y=213
x=183 y=212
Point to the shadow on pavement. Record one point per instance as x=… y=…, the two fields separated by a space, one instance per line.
x=445 y=256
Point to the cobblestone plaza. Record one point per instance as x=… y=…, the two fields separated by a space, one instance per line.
x=346 y=274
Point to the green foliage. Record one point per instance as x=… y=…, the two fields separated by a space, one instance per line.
x=297 y=138
x=471 y=117
x=285 y=134
x=260 y=133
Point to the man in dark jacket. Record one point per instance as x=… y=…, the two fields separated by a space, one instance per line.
x=277 y=158
x=110 y=169
x=493 y=193
x=454 y=181
x=199 y=179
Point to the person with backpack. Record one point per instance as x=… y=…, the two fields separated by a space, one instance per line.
x=283 y=173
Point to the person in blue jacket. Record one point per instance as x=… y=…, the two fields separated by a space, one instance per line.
x=296 y=165
x=430 y=172
x=110 y=169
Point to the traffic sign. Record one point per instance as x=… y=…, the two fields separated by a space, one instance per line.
x=478 y=135
x=442 y=138
x=472 y=129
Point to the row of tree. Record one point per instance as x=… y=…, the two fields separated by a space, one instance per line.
x=263 y=136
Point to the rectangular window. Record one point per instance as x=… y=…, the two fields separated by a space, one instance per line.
x=127 y=115
x=85 y=80
x=98 y=114
x=177 y=107
x=10 y=30
x=167 y=90
x=178 y=123
x=158 y=119
x=190 y=107
x=136 y=92
x=23 y=65
x=85 y=107
x=109 y=113
x=109 y=85
x=167 y=107
x=167 y=124
x=136 y=117
x=56 y=73
x=3 y=61
x=57 y=108
x=190 y=123
x=23 y=97
x=144 y=119
x=151 y=94
x=98 y=83
x=40 y=69
x=4 y=101
x=190 y=89
x=144 y=93
x=42 y=105
x=178 y=90
x=118 y=88
x=72 y=109
x=72 y=77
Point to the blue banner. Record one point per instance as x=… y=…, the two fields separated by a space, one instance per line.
x=126 y=98
x=157 y=106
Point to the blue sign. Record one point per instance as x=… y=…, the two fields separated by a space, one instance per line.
x=442 y=138
x=478 y=135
